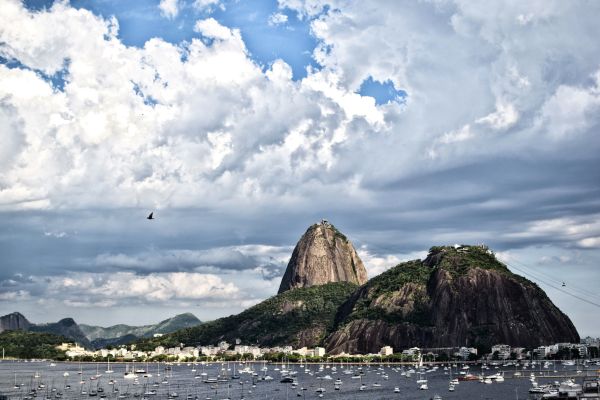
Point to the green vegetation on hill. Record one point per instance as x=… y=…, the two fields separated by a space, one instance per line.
x=458 y=261
x=22 y=344
x=279 y=320
x=381 y=300
x=389 y=282
x=394 y=278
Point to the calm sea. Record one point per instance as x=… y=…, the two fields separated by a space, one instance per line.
x=187 y=381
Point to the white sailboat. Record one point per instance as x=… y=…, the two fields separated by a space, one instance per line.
x=422 y=382
x=147 y=373
x=129 y=374
x=108 y=370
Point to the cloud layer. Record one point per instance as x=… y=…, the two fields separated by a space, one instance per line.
x=496 y=140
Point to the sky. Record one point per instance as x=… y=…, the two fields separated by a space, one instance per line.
x=407 y=124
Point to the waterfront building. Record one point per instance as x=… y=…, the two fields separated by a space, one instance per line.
x=503 y=351
x=590 y=341
x=412 y=351
x=209 y=351
x=518 y=351
x=386 y=351
x=542 y=352
x=301 y=351
x=465 y=352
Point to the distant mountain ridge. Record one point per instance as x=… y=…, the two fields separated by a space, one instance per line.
x=180 y=321
x=95 y=336
x=121 y=333
x=66 y=327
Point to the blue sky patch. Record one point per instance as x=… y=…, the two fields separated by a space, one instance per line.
x=266 y=41
x=382 y=92
x=148 y=100
x=58 y=79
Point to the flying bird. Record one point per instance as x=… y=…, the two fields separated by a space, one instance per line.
x=150 y=216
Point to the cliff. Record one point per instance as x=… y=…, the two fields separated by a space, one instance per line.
x=14 y=321
x=455 y=297
x=323 y=255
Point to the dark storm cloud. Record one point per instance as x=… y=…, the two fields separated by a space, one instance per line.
x=494 y=202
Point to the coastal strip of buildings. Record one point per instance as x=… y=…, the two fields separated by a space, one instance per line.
x=588 y=348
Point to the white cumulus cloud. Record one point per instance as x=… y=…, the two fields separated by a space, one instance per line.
x=169 y=8
x=277 y=19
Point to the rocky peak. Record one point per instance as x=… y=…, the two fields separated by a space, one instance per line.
x=14 y=321
x=67 y=322
x=323 y=255
x=458 y=295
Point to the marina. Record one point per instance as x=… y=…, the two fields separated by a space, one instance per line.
x=258 y=380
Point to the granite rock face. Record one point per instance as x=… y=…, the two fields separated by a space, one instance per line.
x=13 y=322
x=323 y=255
x=455 y=297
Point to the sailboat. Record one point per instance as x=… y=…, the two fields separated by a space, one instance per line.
x=129 y=374
x=98 y=374
x=453 y=381
x=362 y=385
x=147 y=374
x=108 y=370
x=235 y=375
x=421 y=379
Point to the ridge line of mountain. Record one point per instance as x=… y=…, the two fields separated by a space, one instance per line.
x=91 y=336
